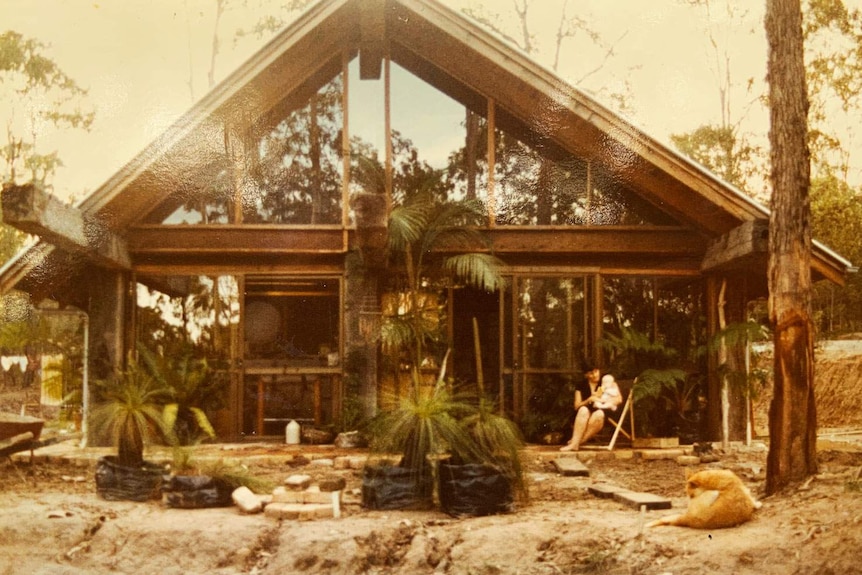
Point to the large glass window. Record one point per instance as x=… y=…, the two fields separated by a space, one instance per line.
x=295 y=168
x=292 y=352
x=190 y=324
x=189 y=314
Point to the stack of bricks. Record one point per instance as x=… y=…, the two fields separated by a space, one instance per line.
x=298 y=499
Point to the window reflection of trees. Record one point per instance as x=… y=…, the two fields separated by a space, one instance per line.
x=197 y=315
x=295 y=168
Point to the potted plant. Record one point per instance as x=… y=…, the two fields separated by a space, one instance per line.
x=192 y=389
x=484 y=478
x=420 y=430
x=193 y=484
x=129 y=415
x=430 y=242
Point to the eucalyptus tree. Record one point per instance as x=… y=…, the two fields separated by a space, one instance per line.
x=37 y=95
x=793 y=417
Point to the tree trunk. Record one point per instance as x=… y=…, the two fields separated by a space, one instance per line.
x=792 y=417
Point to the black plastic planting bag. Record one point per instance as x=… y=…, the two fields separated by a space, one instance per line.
x=474 y=489
x=116 y=482
x=393 y=487
x=196 y=492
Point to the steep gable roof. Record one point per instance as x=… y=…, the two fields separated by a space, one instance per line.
x=458 y=57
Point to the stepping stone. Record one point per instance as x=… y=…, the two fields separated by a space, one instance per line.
x=571 y=467
x=605 y=490
x=638 y=499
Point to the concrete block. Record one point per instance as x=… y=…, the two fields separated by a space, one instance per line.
x=605 y=490
x=299 y=511
x=655 y=442
x=638 y=499
x=247 y=501
x=624 y=453
x=571 y=467
x=310 y=495
x=356 y=461
x=661 y=453
x=298 y=482
x=688 y=460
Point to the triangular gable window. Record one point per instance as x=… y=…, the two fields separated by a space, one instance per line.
x=291 y=168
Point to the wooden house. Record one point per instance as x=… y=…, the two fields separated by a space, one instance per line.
x=236 y=228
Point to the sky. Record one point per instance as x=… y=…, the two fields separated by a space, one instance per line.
x=144 y=62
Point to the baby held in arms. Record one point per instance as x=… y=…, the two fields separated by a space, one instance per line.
x=610 y=397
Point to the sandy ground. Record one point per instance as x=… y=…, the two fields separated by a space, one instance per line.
x=53 y=522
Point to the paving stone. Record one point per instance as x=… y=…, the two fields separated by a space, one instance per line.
x=655 y=442
x=299 y=511
x=661 y=453
x=571 y=467
x=605 y=490
x=310 y=495
x=298 y=482
x=247 y=501
x=688 y=460
x=624 y=453
x=356 y=461
x=638 y=499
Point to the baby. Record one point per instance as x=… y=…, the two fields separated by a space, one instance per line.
x=610 y=397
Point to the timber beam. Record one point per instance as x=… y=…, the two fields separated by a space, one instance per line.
x=37 y=212
x=610 y=240
x=737 y=246
x=372 y=41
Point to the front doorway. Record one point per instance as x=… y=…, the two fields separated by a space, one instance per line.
x=291 y=352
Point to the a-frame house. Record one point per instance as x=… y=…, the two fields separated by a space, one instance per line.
x=237 y=225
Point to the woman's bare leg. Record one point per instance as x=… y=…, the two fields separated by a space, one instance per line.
x=580 y=428
x=594 y=425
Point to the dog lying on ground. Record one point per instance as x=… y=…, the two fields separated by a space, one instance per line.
x=717 y=498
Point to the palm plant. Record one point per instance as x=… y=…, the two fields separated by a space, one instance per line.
x=432 y=242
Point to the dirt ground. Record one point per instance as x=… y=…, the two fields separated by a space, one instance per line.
x=53 y=522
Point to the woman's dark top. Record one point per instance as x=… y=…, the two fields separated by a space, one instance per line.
x=584 y=388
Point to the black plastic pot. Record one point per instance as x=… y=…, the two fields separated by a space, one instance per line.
x=196 y=492
x=394 y=487
x=474 y=489
x=116 y=482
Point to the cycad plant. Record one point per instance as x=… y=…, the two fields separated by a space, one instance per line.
x=191 y=386
x=131 y=413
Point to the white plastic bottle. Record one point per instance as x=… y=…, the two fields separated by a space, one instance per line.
x=291 y=433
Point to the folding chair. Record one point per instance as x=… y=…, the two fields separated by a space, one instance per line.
x=626 y=389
